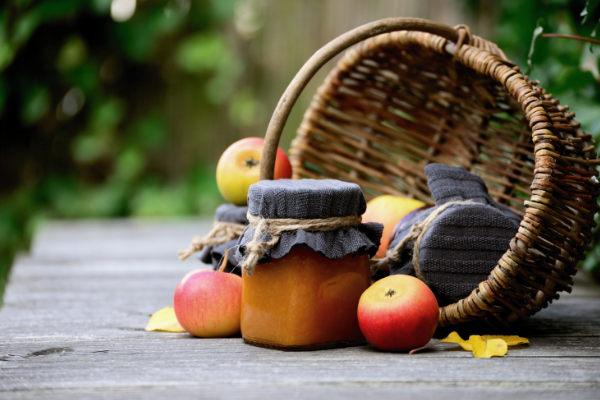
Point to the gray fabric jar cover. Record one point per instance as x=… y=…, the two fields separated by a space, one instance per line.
x=465 y=242
x=310 y=199
x=214 y=254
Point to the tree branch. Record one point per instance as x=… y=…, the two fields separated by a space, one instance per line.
x=560 y=35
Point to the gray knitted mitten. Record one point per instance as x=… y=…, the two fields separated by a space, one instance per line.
x=465 y=242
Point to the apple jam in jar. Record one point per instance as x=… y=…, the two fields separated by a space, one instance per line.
x=303 y=293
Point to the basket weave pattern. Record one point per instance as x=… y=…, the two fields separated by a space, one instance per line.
x=401 y=100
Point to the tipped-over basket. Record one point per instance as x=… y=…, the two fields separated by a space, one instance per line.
x=412 y=92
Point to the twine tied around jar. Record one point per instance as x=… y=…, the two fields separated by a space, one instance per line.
x=416 y=234
x=221 y=233
x=274 y=227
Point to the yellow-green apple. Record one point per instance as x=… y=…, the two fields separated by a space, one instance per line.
x=398 y=312
x=208 y=303
x=239 y=167
x=388 y=210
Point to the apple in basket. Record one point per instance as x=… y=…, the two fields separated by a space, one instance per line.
x=239 y=167
x=208 y=303
x=388 y=210
x=398 y=312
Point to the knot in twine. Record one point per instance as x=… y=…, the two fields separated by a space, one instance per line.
x=256 y=248
x=221 y=233
x=416 y=234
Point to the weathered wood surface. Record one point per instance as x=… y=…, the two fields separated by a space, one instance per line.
x=75 y=309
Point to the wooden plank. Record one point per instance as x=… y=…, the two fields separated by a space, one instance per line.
x=167 y=358
x=244 y=391
x=216 y=364
x=117 y=239
x=73 y=328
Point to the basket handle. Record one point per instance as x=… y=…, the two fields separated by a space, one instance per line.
x=326 y=53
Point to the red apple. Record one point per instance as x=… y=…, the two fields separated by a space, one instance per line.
x=398 y=312
x=208 y=303
x=239 y=167
x=388 y=210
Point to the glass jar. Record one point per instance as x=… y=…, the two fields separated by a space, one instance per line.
x=302 y=292
x=304 y=301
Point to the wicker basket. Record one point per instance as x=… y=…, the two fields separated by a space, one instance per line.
x=414 y=92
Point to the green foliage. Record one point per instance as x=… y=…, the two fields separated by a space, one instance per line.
x=18 y=218
x=536 y=34
x=72 y=54
x=565 y=67
x=36 y=103
x=209 y=53
x=179 y=198
x=83 y=122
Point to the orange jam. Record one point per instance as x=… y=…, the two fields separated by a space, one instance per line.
x=304 y=301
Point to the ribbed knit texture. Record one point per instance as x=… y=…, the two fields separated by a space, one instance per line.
x=465 y=242
x=310 y=199
x=232 y=213
x=305 y=199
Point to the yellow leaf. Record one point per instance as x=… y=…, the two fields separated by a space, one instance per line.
x=455 y=338
x=466 y=344
x=510 y=340
x=478 y=346
x=164 y=320
x=487 y=349
x=496 y=347
x=496 y=344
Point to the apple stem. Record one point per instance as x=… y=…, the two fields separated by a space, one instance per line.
x=424 y=347
x=224 y=261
